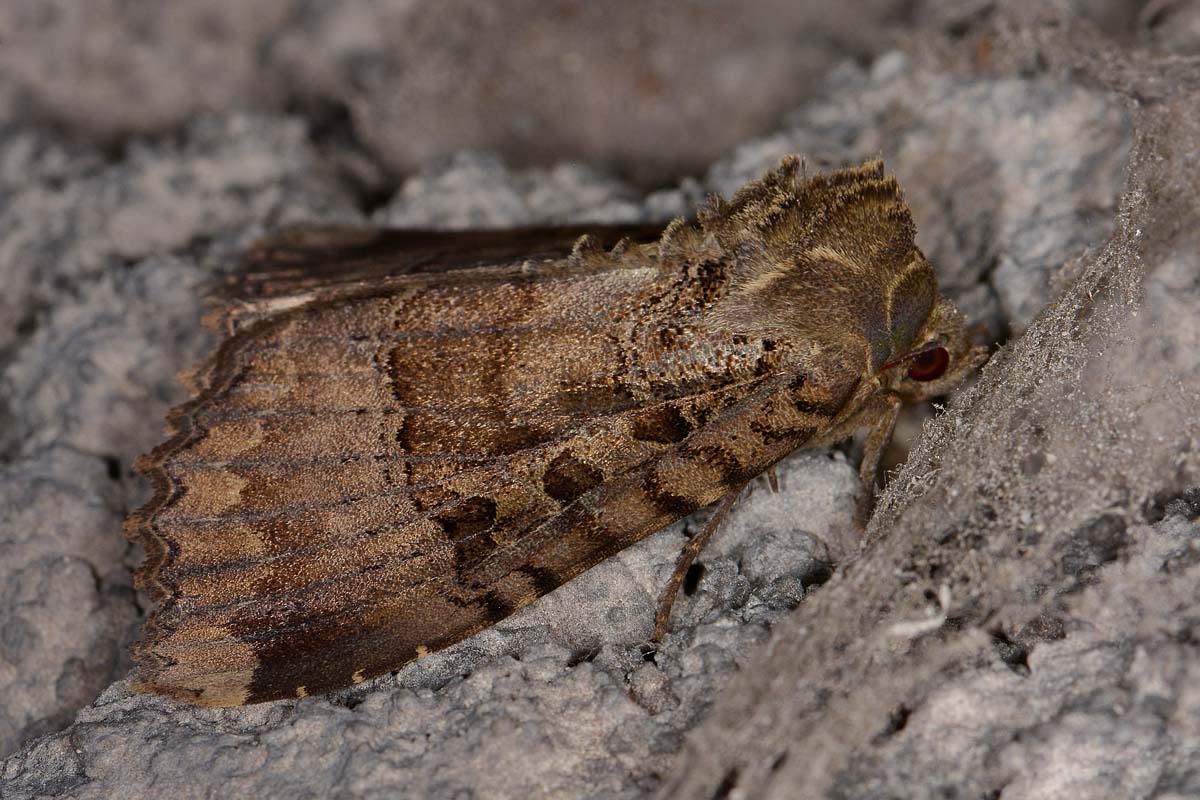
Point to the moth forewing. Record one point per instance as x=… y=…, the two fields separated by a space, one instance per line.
x=384 y=459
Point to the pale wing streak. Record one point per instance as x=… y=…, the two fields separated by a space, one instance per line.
x=355 y=456
x=360 y=342
x=294 y=510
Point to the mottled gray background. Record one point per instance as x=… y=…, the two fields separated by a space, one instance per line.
x=1023 y=619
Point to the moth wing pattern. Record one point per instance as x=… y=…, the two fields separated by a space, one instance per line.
x=382 y=460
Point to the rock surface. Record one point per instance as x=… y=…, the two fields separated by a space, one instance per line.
x=651 y=88
x=1020 y=621
x=633 y=87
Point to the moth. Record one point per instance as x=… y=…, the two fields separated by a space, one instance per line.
x=407 y=436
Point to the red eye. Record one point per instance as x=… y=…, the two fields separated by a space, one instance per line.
x=929 y=365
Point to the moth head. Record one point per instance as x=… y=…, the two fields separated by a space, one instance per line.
x=942 y=355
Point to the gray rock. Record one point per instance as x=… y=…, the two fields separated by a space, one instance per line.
x=1172 y=25
x=580 y=81
x=475 y=190
x=652 y=89
x=1100 y=712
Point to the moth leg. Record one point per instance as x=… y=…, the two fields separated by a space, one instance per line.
x=773 y=480
x=666 y=601
x=878 y=438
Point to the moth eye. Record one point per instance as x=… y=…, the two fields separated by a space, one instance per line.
x=929 y=365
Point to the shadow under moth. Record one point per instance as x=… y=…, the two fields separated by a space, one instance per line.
x=407 y=436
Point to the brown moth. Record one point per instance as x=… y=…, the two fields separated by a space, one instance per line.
x=409 y=436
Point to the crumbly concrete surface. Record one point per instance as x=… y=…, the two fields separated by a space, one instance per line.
x=1022 y=618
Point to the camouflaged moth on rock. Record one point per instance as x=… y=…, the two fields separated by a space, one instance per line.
x=408 y=436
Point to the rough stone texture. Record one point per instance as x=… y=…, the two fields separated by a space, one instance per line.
x=1020 y=621
x=1106 y=708
x=651 y=88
